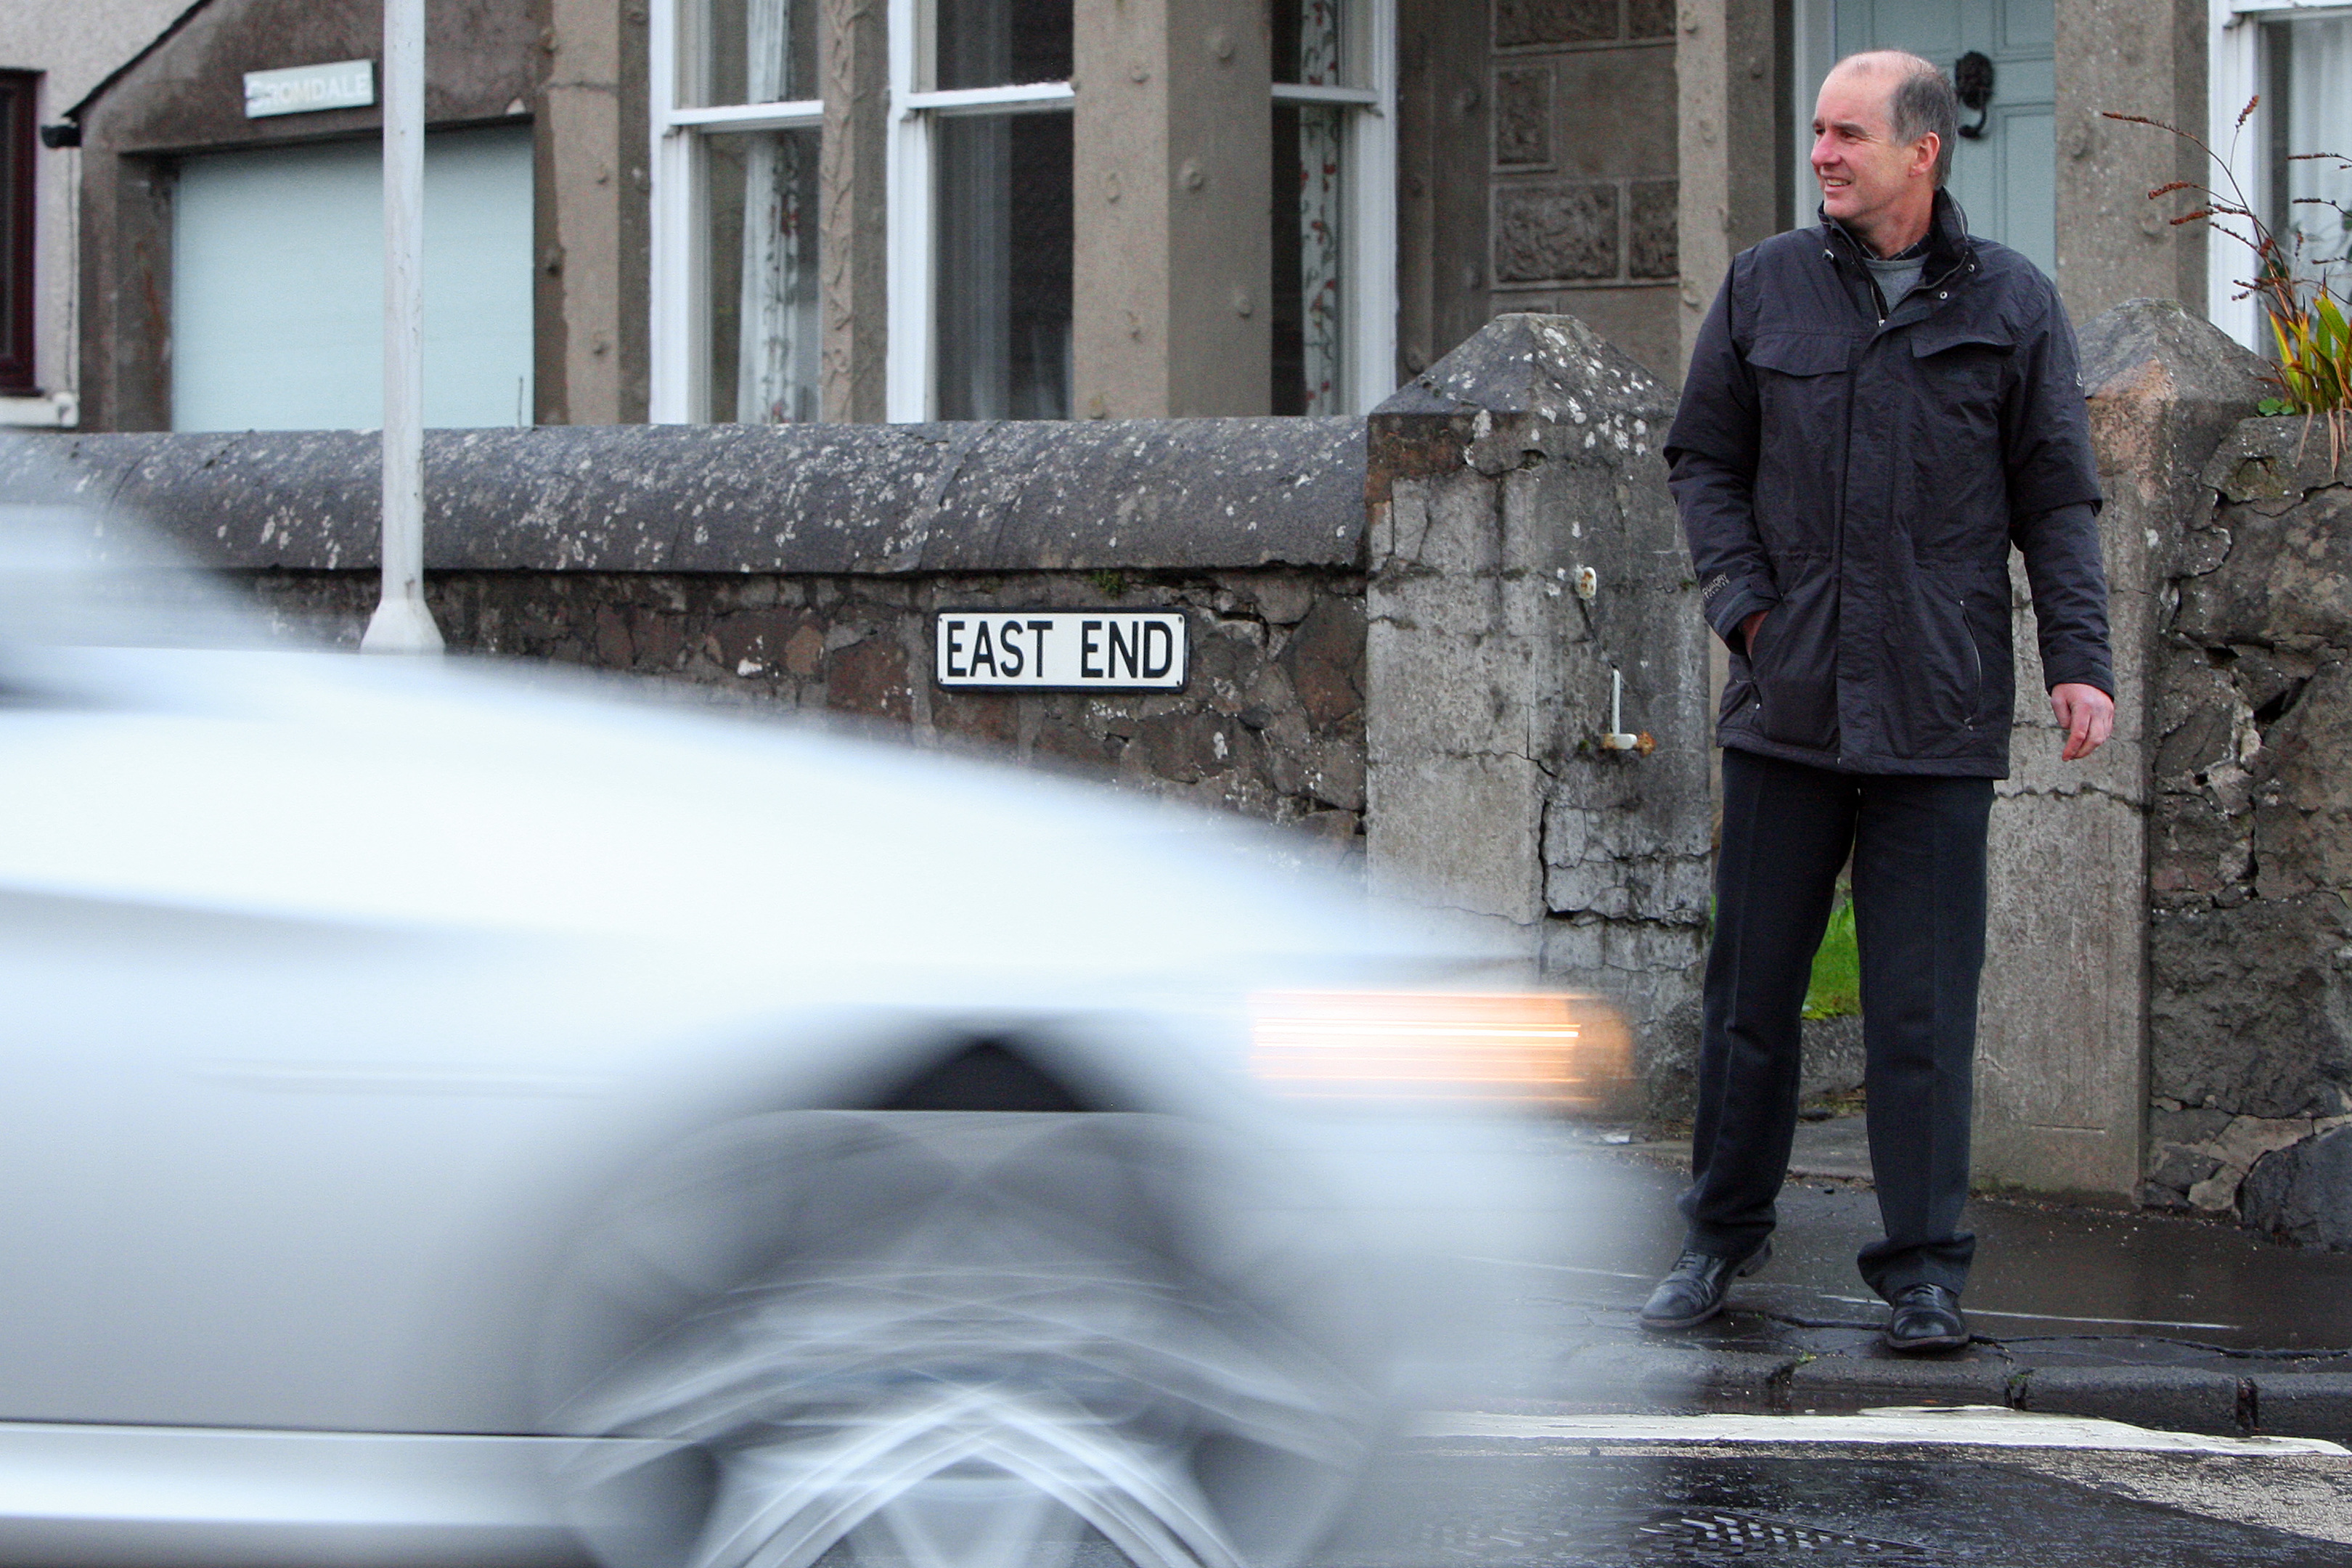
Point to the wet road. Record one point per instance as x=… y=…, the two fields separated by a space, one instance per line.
x=2042 y=1272
x=1631 y=1507
x=2051 y=1282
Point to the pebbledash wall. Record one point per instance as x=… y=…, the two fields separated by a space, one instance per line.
x=1406 y=631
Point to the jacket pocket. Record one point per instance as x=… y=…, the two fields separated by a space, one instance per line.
x=1961 y=373
x=1944 y=672
x=1794 y=665
x=1802 y=385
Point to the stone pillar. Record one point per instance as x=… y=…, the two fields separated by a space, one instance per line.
x=2114 y=243
x=1728 y=143
x=853 y=198
x=591 y=221
x=1522 y=547
x=2063 y=1030
x=1172 y=185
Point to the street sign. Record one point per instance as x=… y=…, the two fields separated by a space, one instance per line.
x=301 y=89
x=1061 y=650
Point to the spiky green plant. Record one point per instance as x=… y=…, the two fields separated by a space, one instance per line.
x=2314 y=372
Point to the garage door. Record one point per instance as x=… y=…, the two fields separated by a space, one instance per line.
x=277 y=284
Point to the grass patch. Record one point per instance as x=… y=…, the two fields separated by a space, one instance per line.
x=1836 y=988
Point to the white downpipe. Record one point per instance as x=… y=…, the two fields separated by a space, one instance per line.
x=402 y=623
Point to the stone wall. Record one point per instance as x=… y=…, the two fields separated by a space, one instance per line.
x=2251 y=850
x=1270 y=725
x=1525 y=556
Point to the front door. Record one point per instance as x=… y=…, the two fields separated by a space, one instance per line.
x=2005 y=177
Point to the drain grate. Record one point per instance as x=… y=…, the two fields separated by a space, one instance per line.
x=1704 y=1535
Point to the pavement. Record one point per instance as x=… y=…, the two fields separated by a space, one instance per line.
x=2176 y=1322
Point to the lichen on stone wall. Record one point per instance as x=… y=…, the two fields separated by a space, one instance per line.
x=2249 y=848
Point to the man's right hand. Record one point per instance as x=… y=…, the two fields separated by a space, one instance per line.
x=1748 y=632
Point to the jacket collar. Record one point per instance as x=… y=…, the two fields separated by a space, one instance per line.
x=1948 y=237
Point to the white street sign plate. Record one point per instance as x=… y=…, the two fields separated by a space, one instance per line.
x=1061 y=650
x=300 y=90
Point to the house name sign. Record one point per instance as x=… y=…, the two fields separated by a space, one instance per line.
x=302 y=89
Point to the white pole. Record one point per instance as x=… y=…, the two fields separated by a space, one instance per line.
x=402 y=623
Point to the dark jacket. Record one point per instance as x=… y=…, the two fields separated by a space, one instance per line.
x=1863 y=478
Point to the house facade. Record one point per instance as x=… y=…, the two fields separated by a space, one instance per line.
x=857 y=210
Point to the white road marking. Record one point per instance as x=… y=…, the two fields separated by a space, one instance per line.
x=1865 y=1301
x=1972 y=1425
x=2050 y=1317
x=1559 y=1268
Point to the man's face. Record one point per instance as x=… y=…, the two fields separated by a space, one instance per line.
x=1863 y=169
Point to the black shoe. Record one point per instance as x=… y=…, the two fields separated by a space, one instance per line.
x=1694 y=1289
x=1925 y=1318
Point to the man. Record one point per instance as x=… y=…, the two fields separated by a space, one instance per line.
x=1878 y=408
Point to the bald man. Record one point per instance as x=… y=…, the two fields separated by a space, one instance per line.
x=1878 y=409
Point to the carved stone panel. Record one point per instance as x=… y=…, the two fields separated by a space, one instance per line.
x=1523 y=115
x=1518 y=23
x=1556 y=231
x=1651 y=247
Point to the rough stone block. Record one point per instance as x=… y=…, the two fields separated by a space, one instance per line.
x=1555 y=230
x=1441 y=602
x=2062 y=1100
x=1325 y=661
x=1975 y=1376
x=1455 y=696
x=1572 y=948
x=1651 y=246
x=1523 y=115
x=2171 y=1398
x=1518 y=23
x=1457 y=832
x=1457 y=534
x=2304 y=1404
x=870 y=678
x=1833 y=1054
x=1325 y=771
x=2247 y=1007
x=1649 y=19
x=2303 y=1193
x=2195 y=851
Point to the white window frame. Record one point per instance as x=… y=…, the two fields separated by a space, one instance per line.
x=1368 y=203
x=2235 y=70
x=679 y=329
x=910 y=397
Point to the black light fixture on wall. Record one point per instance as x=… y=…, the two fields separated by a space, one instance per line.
x=1972 y=77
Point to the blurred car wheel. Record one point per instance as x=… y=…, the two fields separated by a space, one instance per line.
x=961 y=1338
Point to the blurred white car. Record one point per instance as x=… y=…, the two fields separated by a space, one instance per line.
x=447 y=1120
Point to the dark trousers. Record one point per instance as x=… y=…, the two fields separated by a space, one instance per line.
x=1918 y=849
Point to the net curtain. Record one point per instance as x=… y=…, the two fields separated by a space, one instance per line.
x=777 y=346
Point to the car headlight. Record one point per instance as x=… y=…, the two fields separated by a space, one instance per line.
x=1563 y=1053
